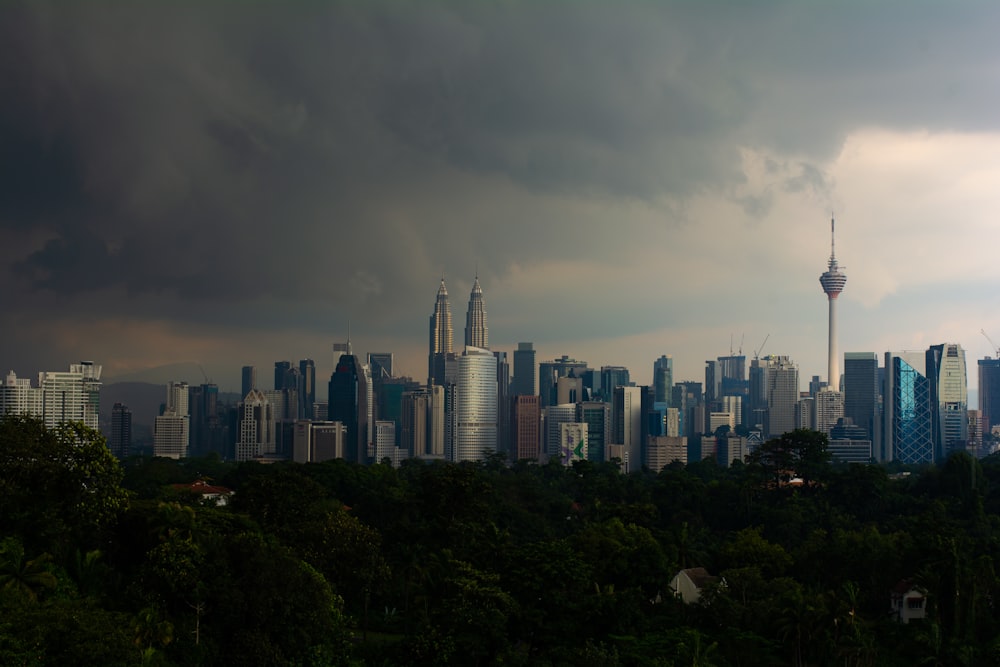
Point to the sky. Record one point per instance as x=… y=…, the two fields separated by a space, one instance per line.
x=238 y=183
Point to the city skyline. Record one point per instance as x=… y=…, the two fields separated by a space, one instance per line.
x=673 y=200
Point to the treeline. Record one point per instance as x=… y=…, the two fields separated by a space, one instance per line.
x=489 y=563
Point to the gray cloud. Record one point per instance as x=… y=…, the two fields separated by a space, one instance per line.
x=195 y=161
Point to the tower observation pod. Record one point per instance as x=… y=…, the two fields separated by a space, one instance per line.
x=833 y=281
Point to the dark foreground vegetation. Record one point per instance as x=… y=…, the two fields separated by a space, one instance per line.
x=477 y=564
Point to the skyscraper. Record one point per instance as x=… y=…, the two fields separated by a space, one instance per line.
x=503 y=402
x=525 y=381
x=476 y=333
x=256 y=427
x=833 y=281
x=526 y=426
x=120 y=439
x=441 y=335
x=989 y=394
x=626 y=415
x=774 y=394
x=307 y=395
x=908 y=435
x=949 y=391
x=663 y=379
x=861 y=394
x=549 y=373
x=249 y=374
x=348 y=404
x=476 y=405
x=172 y=429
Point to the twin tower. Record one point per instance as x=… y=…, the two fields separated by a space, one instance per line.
x=442 y=333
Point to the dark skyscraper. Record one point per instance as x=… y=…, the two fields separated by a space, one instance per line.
x=307 y=395
x=348 y=404
x=989 y=394
x=663 y=379
x=249 y=380
x=861 y=393
x=380 y=364
x=525 y=381
x=120 y=440
x=281 y=369
x=503 y=402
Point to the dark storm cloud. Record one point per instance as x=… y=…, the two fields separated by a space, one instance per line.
x=191 y=158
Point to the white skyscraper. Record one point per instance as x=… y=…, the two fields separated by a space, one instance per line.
x=476 y=405
x=60 y=396
x=833 y=281
x=172 y=429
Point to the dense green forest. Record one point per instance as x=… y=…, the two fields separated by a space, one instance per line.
x=104 y=563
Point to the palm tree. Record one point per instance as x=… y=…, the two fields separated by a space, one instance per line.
x=21 y=576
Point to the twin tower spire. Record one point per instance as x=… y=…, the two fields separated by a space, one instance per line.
x=441 y=330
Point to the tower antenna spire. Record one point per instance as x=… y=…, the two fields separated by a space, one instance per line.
x=833 y=255
x=833 y=281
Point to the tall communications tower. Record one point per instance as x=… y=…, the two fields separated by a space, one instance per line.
x=833 y=281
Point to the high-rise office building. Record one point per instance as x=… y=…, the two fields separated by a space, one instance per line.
x=71 y=396
x=908 y=434
x=18 y=397
x=828 y=409
x=281 y=369
x=315 y=442
x=663 y=379
x=385 y=441
x=773 y=395
x=256 y=427
x=414 y=422
x=833 y=281
x=949 y=390
x=476 y=332
x=572 y=442
x=526 y=429
x=989 y=395
x=569 y=390
x=626 y=416
x=441 y=333
x=172 y=429
x=207 y=430
x=381 y=365
x=549 y=373
x=171 y=434
x=348 y=403
x=525 y=382
x=476 y=405
x=555 y=416
x=613 y=377
x=503 y=402
x=597 y=416
x=689 y=401
x=861 y=390
x=249 y=375
x=307 y=393
x=120 y=438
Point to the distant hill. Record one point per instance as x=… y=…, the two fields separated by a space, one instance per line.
x=188 y=371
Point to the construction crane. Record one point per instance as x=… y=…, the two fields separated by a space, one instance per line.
x=993 y=345
x=756 y=353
